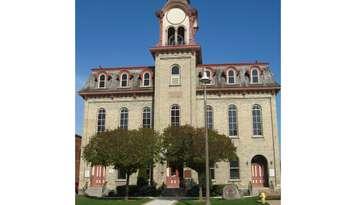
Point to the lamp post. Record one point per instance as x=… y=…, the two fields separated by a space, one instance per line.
x=205 y=80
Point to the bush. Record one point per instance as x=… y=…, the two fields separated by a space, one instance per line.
x=135 y=191
x=217 y=190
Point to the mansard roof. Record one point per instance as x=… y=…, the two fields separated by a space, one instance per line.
x=219 y=78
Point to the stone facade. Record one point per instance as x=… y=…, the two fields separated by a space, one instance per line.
x=106 y=88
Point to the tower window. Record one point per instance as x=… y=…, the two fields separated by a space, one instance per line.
x=175 y=76
x=232 y=120
x=254 y=76
x=124 y=80
x=257 y=120
x=181 y=36
x=102 y=81
x=147 y=117
x=101 y=120
x=146 y=79
x=124 y=118
x=175 y=116
x=171 y=36
x=231 y=77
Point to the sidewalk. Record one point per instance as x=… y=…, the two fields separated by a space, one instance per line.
x=161 y=202
x=274 y=202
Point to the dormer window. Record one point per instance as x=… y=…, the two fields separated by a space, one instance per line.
x=254 y=76
x=102 y=81
x=146 y=80
x=181 y=36
x=124 y=80
x=175 y=75
x=231 y=76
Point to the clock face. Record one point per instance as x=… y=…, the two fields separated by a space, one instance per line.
x=175 y=16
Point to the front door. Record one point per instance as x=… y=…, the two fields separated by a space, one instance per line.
x=257 y=174
x=98 y=176
x=172 y=178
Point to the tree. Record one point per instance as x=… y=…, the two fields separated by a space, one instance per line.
x=220 y=149
x=185 y=145
x=127 y=150
x=176 y=145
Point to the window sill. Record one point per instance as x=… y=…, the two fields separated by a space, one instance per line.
x=234 y=180
x=257 y=136
x=120 y=180
x=174 y=85
x=234 y=137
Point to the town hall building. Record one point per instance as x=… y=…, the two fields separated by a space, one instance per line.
x=241 y=104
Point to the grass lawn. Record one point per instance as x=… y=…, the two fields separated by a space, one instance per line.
x=243 y=201
x=82 y=200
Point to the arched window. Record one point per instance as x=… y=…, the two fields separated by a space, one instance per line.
x=124 y=80
x=232 y=120
x=234 y=169
x=257 y=121
x=175 y=115
x=124 y=118
x=254 y=76
x=102 y=81
x=209 y=114
x=147 y=117
x=171 y=36
x=101 y=120
x=181 y=36
x=146 y=80
x=175 y=75
x=231 y=77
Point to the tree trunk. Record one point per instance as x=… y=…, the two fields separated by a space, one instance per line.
x=127 y=186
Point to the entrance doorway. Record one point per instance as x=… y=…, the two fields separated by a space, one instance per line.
x=259 y=171
x=98 y=176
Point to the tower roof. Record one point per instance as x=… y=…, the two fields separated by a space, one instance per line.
x=182 y=1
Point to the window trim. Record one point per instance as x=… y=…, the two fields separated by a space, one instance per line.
x=99 y=80
x=251 y=76
x=234 y=76
x=104 y=120
x=236 y=121
x=150 y=119
x=175 y=76
x=124 y=73
x=234 y=168
x=121 y=110
x=212 y=115
x=179 y=117
x=261 y=121
x=149 y=79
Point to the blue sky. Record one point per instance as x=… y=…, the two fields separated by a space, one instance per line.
x=119 y=33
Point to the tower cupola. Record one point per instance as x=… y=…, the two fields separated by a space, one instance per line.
x=178 y=23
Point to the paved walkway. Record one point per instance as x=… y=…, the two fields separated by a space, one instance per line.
x=274 y=202
x=161 y=202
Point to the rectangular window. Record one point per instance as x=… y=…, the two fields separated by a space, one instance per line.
x=147 y=118
x=232 y=121
x=124 y=119
x=121 y=174
x=234 y=170
x=212 y=173
x=257 y=124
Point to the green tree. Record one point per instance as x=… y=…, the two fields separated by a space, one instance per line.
x=220 y=149
x=185 y=145
x=127 y=150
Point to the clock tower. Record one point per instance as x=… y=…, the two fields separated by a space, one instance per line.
x=176 y=56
